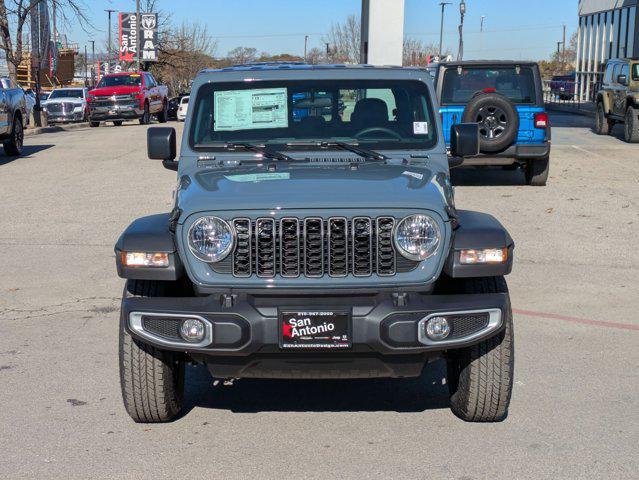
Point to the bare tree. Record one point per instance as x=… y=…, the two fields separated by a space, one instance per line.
x=416 y=52
x=315 y=56
x=186 y=49
x=344 y=41
x=14 y=14
x=242 y=55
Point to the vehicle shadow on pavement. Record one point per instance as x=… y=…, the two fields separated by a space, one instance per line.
x=486 y=176
x=27 y=151
x=426 y=392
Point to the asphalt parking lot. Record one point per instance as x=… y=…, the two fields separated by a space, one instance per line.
x=575 y=408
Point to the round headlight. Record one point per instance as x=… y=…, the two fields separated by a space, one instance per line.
x=211 y=239
x=417 y=237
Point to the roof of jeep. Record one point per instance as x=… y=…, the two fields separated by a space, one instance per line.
x=292 y=71
x=478 y=63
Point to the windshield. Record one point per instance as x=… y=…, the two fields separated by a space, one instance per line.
x=121 y=80
x=516 y=83
x=391 y=114
x=66 y=94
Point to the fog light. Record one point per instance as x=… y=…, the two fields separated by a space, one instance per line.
x=437 y=328
x=145 y=259
x=192 y=330
x=487 y=255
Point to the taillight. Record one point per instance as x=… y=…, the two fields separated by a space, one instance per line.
x=541 y=120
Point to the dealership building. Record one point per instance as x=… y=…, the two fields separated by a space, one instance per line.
x=607 y=29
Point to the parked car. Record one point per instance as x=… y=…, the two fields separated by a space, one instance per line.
x=174 y=104
x=183 y=108
x=65 y=105
x=13 y=114
x=506 y=99
x=127 y=96
x=30 y=101
x=325 y=247
x=563 y=86
x=617 y=100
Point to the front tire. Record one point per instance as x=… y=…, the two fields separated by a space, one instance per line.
x=152 y=380
x=13 y=146
x=602 y=125
x=631 y=125
x=163 y=115
x=146 y=116
x=480 y=377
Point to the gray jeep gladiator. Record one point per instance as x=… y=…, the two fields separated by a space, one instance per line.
x=314 y=235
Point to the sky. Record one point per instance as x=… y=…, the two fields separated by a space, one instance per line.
x=513 y=29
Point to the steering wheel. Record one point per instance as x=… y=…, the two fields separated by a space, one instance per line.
x=387 y=131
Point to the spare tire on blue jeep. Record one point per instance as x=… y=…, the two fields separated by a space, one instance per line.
x=497 y=118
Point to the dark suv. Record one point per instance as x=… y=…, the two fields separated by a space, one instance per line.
x=506 y=99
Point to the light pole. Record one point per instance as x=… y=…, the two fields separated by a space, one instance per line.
x=441 y=29
x=137 y=36
x=305 y=45
x=481 y=35
x=92 y=61
x=109 y=12
x=462 y=12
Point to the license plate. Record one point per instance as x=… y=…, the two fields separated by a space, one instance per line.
x=315 y=329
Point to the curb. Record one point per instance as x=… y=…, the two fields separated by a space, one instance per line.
x=575 y=111
x=55 y=128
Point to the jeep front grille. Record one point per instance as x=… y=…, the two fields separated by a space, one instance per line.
x=314 y=247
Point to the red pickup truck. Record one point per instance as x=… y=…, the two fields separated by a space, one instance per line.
x=126 y=96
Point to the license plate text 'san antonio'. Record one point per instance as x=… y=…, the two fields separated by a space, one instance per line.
x=316 y=329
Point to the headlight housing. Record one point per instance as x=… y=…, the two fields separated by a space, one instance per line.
x=417 y=237
x=211 y=239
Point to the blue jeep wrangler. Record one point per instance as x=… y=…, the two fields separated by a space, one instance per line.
x=506 y=99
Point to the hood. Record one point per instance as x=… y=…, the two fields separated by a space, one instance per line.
x=315 y=187
x=120 y=90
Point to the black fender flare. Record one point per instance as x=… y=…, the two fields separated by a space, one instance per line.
x=149 y=234
x=478 y=231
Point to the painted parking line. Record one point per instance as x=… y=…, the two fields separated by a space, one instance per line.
x=585 y=321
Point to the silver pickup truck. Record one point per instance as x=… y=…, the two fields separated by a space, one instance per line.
x=13 y=115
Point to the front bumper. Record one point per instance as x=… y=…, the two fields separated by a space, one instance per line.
x=512 y=154
x=65 y=117
x=244 y=339
x=116 y=111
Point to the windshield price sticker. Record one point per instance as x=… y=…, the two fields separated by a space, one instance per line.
x=250 y=109
x=420 y=128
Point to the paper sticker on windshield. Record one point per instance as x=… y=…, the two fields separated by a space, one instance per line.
x=258 y=177
x=420 y=128
x=250 y=109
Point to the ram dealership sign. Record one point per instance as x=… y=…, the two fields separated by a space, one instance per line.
x=138 y=34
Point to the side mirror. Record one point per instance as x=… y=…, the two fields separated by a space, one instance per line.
x=622 y=79
x=161 y=145
x=464 y=142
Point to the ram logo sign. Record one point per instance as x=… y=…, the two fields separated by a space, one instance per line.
x=138 y=35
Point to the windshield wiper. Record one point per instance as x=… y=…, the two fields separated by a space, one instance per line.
x=362 y=152
x=262 y=150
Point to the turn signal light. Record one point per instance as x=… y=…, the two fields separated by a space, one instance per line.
x=145 y=259
x=487 y=255
x=541 y=120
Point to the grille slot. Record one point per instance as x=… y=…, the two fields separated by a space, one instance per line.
x=385 y=248
x=362 y=237
x=314 y=247
x=265 y=247
x=337 y=247
x=290 y=247
x=242 y=264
